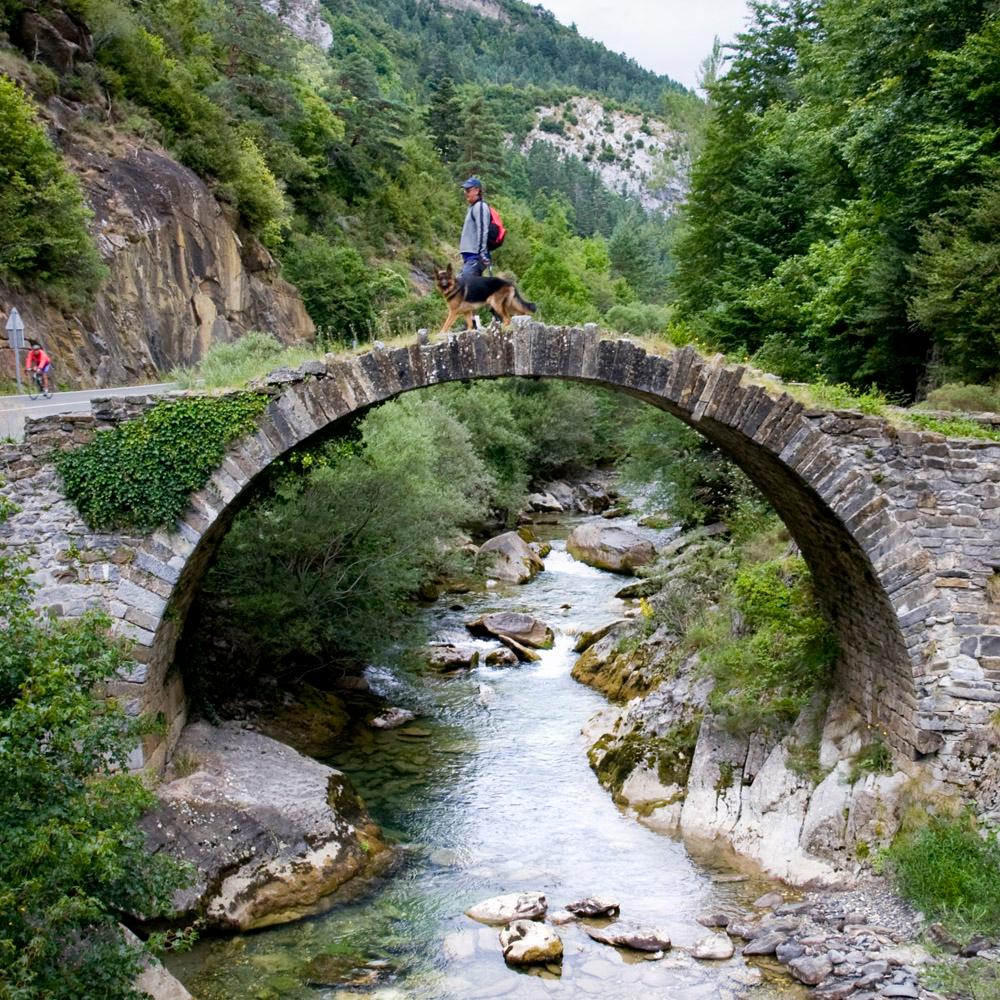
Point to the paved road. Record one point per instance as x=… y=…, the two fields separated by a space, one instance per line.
x=13 y=409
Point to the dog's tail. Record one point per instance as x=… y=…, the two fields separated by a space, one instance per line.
x=524 y=303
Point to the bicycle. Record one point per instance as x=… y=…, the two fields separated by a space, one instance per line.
x=40 y=390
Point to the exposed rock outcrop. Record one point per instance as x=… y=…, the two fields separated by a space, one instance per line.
x=273 y=835
x=181 y=275
x=304 y=19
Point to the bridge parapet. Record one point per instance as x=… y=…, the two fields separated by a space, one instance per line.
x=900 y=528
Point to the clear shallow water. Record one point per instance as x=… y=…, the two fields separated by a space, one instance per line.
x=490 y=792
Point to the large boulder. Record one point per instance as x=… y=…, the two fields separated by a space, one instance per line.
x=525 y=942
x=447 y=657
x=514 y=625
x=272 y=834
x=610 y=547
x=508 y=557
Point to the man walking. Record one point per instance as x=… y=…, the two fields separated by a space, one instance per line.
x=475 y=232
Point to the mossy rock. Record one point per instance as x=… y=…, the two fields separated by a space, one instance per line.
x=614 y=759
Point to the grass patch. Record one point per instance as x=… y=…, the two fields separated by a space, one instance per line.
x=873 y=758
x=235 y=364
x=976 y=978
x=952 y=873
x=956 y=428
x=839 y=396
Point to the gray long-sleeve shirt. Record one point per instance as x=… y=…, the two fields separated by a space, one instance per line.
x=476 y=228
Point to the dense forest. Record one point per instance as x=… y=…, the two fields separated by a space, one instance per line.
x=843 y=214
x=343 y=163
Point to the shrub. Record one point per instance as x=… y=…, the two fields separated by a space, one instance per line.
x=787 y=360
x=140 y=474
x=43 y=218
x=783 y=650
x=305 y=571
x=72 y=856
x=964 y=398
x=339 y=289
x=638 y=318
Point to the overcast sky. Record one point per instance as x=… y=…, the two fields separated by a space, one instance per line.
x=668 y=36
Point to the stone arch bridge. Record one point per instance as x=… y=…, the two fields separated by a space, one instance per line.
x=900 y=528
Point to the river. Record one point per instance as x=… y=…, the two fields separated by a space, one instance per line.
x=489 y=791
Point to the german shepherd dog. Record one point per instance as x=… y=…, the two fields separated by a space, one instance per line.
x=465 y=298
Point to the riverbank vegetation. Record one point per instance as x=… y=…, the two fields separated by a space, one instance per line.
x=346 y=534
x=73 y=862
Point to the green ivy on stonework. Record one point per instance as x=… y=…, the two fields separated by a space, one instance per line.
x=140 y=474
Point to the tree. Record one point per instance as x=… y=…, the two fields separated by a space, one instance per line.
x=44 y=237
x=445 y=120
x=481 y=146
x=72 y=859
x=303 y=574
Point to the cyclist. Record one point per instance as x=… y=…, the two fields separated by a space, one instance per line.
x=39 y=361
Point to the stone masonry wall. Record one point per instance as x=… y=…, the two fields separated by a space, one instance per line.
x=899 y=528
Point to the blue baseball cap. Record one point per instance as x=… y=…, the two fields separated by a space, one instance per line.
x=473 y=182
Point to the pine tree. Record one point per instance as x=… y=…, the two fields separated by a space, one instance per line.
x=481 y=152
x=444 y=120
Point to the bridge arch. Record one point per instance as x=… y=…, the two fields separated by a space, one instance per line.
x=920 y=640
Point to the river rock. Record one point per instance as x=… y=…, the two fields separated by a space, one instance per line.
x=339 y=970
x=764 y=943
x=503 y=657
x=716 y=947
x=510 y=558
x=628 y=935
x=592 y=498
x=154 y=980
x=392 y=718
x=544 y=503
x=272 y=834
x=523 y=653
x=447 y=657
x=521 y=628
x=810 y=969
x=609 y=547
x=594 y=906
x=563 y=494
x=509 y=907
x=525 y=942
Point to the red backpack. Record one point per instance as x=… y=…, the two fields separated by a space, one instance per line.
x=496 y=232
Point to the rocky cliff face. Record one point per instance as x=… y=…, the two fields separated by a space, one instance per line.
x=181 y=277
x=634 y=155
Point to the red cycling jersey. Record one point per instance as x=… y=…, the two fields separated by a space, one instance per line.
x=37 y=358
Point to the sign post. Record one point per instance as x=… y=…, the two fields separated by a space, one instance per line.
x=15 y=334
